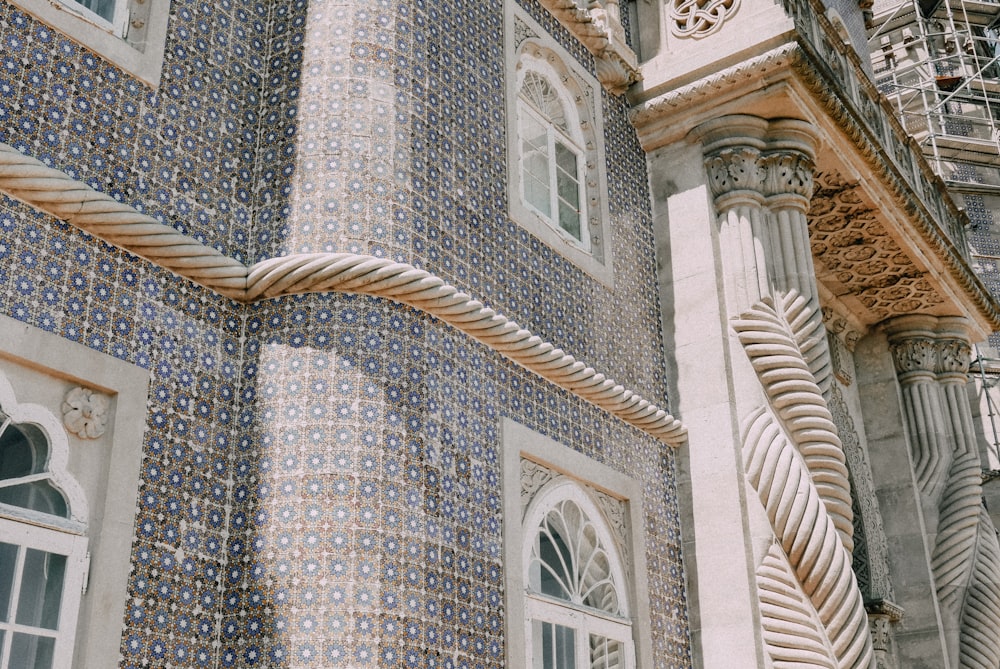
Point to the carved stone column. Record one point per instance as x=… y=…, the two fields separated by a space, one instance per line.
x=788 y=186
x=965 y=562
x=914 y=353
x=733 y=147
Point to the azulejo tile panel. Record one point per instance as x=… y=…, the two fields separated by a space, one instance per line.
x=320 y=480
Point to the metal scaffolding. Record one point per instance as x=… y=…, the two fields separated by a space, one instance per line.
x=939 y=65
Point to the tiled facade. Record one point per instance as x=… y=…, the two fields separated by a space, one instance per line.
x=321 y=481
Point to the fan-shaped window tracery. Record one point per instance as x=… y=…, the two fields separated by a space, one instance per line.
x=577 y=606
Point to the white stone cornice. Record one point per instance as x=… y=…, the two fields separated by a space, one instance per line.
x=56 y=193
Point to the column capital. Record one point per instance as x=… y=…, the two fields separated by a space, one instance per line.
x=735 y=169
x=930 y=344
x=788 y=172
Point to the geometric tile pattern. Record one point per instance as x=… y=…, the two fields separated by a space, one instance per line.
x=320 y=473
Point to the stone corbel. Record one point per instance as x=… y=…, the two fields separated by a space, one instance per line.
x=599 y=28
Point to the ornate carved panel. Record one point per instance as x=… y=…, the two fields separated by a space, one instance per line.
x=850 y=241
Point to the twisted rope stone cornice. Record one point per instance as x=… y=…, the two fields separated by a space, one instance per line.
x=344 y=272
x=56 y=193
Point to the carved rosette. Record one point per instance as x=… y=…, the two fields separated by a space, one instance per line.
x=85 y=412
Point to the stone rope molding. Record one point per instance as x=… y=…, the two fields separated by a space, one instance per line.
x=54 y=192
x=29 y=180
x=800 y=475
x=808 y=537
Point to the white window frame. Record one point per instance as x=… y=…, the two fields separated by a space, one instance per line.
x=580 y=93
x=61 y=542
x=575 y=469
x=555 y=134
x=134 y=40
x=584 y=620
x=26 y=354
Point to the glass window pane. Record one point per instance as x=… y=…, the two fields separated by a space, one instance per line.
x=566 y=159
x=606 y=653
x=533 y=133
x=103 y=8
x=553 y=646
x=41 y=589
x=536 y=193
x=569 y=219
x=536 y=164
x=23 y=451
x=556 y=570
x=8 y=561
x=31 y=652
x=37 y=496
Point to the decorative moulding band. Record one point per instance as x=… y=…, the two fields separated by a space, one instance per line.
x=56 y=193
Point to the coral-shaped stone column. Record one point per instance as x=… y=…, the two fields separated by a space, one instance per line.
x=932 y=359
x=914 y=353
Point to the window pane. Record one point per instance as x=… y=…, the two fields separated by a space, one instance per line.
x=41 y=589
x=569 y=189
x=605 y=653
x=533 y=133
x=103 y=8
x=8 y=560
x=23 y=451
x=569 y=219
x=566 y=159
x=554 y=646
x=536 y=193
x=37 y=496
x=556 y=571
x=31 y=652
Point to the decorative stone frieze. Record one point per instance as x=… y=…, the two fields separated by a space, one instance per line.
x=849 y=240
x=871 y=562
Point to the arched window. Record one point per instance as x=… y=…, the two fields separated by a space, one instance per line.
x=43 y=542
x=557 y=184
x=576 y=605
x=552 y=164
